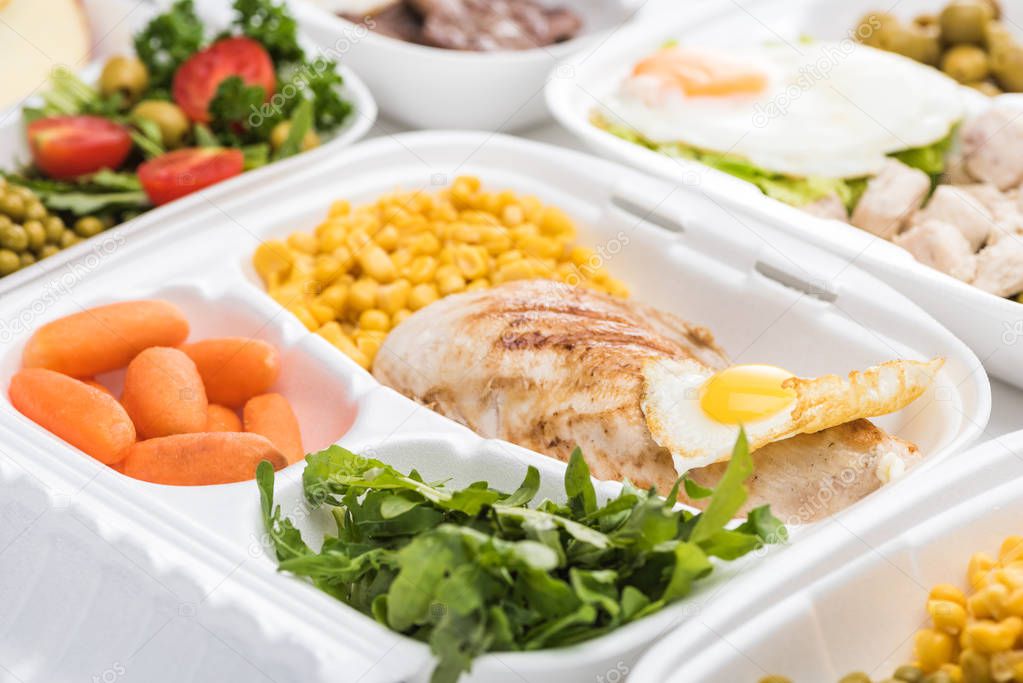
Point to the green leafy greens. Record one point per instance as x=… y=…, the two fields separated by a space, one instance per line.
x=791 y=190
x=474 y=570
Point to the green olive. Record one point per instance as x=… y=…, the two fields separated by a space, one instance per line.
x=125 y=75
x=23 y=192
x=27 y=258
x=920 y=43
x=996 y=8
x=908 y=673
x=89 y=226
x=14 y=238
x=855 y=677
x=280 y=133
x=54 y=227
x=13 y=205
x=5 y=222
x=966 y=63
x=168 y=117
x=48 y=250
x=997 y=37
x=871 y=27
x=36 y=234
x=9 y=262
x=937 y=677
x=986 y=88
x=964 y=21
x=68 y=239
x=35 y=211
x=1007 y=67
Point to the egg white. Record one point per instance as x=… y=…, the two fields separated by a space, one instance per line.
x=831 y=109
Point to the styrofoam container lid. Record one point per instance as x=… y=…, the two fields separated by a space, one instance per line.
x=117 y=23
x=767 y=299
x=863 y=616
x=992 y=326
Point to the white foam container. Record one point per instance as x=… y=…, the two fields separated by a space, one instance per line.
x=675 y=249
x=992 y=326
x=427 y=87
x=861 y=617
x=115 y=24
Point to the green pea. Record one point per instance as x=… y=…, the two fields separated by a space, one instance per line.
x=89 y=226
x=855 y=677
x=9 y=262
x=908 y=673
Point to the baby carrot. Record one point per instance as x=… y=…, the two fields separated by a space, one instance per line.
x=200 y=459
x=163 y=393
x=104 y=338
x=84 y=416
x=96 y=385
x=271 y=415
x=221 y=419
x=234 y=369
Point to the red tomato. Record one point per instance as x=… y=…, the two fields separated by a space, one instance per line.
x=64 y=147
x=196 y=81
x=183 y=171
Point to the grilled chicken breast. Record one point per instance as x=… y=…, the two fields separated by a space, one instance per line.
x=549 y=367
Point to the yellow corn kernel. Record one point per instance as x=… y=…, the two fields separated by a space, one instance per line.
x=446 y=270
x=422 y=295
x=954 y=671
x=512 y=215
x=303 y=241
x=377 y=264
x=467 y=233
x=617 y=288
x=1014 y=604
x=399 y=317
x=450 y=283
x=387 y=237
x=401 y=258
x=1011 y=550
x=1005 y=665
x=946 y=591
x=974 y=666
x=422 y=269
x=426 y=244
x=509 y=256
x=272 y=259
x=471 y=262
x=334 y=296
x=521 y=232
x=1010 y=576
x=479 y=283
x=358 y=240
x=932 y=649
x=989 y=637
x=516 y=270
x=305 y=317
x=321 y=312
x=342 y=207
x=947 y=616
x=362 y=295
x=393 y=297
x=496 y=243
x=531 y=206
x=332 y=237
x=327 y=269
x=539 y=247
x=375 y=319
x=554 y=220
x=331 y=332
x=989 y=602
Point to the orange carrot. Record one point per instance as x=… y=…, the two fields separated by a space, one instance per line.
x=234 y=369
x=200 y=459
x=84 y=416
x=96 y=385
x=221 y=419
x=163 y=393
x=271 y=415
x=104 y=338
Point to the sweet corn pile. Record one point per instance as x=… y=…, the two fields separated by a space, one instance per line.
x=365 y=269
x=972 y=638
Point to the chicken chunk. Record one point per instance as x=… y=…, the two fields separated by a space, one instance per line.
x=1006 y=214
x=992 y=145
x=941 y=246
x=1000 y=267
x=890 y=199
x=828 y=207
x=956 y=206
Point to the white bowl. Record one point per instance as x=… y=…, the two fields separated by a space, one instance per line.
x=428 y=87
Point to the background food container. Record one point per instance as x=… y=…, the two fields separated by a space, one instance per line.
x=114 y=22
x=673 y=247
x=427 y=87
x=863 y=616
x=992 y=326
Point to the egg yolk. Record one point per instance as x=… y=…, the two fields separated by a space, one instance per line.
x=698 y=72
x=746 y=393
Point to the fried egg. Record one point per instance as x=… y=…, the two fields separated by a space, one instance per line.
x=696 y=413
x=829 y=109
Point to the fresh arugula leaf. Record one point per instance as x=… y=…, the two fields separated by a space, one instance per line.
x=694 y=490
x=764 y=525
x=582 y=499
x=527 y=489
x=729 y=495
x=286 y=539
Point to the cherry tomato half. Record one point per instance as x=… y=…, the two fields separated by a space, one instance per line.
x=183 y=171
x=65 y=147
x=196 y=81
